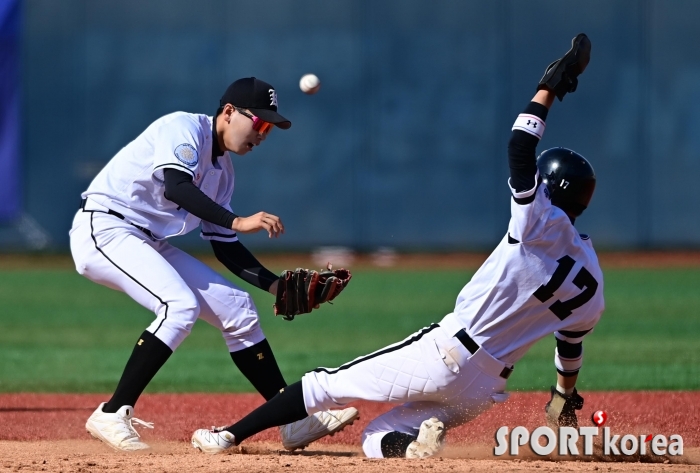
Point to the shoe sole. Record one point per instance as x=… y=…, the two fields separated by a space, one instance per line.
x=342 y=426
x=423 y=448
x=439 y=440
x=97 y=436
x=197 y=446
x=201 y=449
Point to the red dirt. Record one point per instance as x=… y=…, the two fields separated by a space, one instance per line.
x=41 y=422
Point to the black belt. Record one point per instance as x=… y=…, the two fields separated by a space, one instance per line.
x=472 y=346
x=118 y=215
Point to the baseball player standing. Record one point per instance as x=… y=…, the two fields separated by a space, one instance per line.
x=173 y=177
x=542 y=278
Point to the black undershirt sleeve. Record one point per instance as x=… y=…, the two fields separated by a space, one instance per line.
x=180 y=190
x=521 y=152
x=236 y=257
x=243 y=264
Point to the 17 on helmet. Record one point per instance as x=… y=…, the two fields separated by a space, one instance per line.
x=569 y=177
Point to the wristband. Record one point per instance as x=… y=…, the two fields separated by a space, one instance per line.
x=530 y=124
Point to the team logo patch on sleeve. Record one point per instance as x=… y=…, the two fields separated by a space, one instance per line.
x=186 y=154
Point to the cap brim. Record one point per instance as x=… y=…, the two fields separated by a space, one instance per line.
x=272 y=117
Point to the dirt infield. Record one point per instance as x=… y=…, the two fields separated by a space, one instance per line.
x=43 y=432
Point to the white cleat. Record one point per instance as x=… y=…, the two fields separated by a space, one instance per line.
x=431 y=438
x=301 y=433
x=212 y=441
x=116 y=429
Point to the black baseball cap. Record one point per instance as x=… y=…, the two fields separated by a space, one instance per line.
x=257 y=96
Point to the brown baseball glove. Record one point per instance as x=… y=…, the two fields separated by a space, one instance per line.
x=302 y=290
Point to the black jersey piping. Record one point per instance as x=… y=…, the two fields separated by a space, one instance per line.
x=529 y=199
x=415 y=338
x=173 y=166
x=524 y=200
x=92 y=235
x=572 y=334
x=214 y=234
x=567 y=374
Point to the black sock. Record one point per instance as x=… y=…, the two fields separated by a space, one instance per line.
x=258 y=364
x=150 y=353
x=286 y=407
x=394 y=444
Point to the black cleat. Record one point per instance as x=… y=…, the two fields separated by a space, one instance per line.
x=561 y=76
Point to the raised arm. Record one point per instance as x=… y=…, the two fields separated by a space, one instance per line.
x=527 y=131
x=560 y=78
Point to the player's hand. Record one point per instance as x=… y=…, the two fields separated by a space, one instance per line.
x=272 y=224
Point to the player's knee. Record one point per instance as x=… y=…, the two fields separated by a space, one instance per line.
x=81 y=268
x=242 y=302
x=175 y=320
x=239 y=317
x=78 y=259
x=184 y=310
x=248 y=334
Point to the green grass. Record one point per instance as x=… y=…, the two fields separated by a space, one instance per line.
x=60 y=332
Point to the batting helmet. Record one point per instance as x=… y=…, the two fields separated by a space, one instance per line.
x=569 y=177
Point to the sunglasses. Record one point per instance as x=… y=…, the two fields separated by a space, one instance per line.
x=259 y=125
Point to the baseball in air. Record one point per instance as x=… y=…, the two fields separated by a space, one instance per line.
x=309 y=84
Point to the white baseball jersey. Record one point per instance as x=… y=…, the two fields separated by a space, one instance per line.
x=543 y=277
x=132 y=182
x=114 y=252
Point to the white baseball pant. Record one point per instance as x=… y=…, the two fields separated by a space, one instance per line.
x=431 y=372
x=177 y=287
